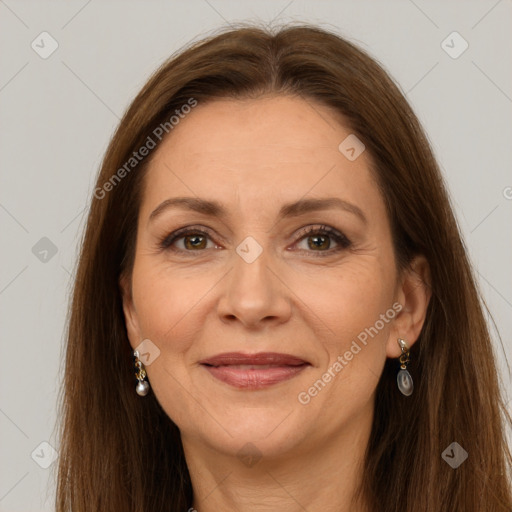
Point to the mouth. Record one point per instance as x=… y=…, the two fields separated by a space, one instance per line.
x=254 y=371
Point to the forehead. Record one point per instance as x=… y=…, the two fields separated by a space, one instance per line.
x=243 y=128
x=272 y=147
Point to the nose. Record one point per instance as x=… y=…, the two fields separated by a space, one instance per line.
x=254 y=294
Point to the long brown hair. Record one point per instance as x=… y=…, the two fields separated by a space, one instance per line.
x=119 y=453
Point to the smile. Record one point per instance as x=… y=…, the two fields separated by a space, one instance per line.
x=254 y=371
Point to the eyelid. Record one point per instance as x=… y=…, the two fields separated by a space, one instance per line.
x=339 y=237
x=170 y=238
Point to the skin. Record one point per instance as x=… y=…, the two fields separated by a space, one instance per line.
x=253 y=156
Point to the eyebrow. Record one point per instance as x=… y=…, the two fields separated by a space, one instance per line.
x=215 y=209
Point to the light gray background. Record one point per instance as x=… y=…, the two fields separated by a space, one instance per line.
x=59 y=113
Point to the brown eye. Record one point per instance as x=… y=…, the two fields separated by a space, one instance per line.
x=193 y=240
x=320 y=240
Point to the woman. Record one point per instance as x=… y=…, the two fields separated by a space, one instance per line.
x=273 y=299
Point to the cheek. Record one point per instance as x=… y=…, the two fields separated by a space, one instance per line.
x=359 y=313
x=165 y=303
x=349 y=300
x=357 y=308
x=168 y=308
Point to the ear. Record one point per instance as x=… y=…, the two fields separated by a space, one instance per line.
x=130 y=314
x=413 y=294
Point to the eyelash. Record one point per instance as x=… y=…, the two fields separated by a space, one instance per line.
x=342 y=241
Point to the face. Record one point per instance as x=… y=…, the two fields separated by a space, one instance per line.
x=273 y=268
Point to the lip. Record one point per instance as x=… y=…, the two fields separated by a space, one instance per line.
x=254 y=371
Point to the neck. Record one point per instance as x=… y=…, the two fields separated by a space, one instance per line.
x=322 y=476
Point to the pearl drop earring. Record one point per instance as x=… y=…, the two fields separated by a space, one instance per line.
x=142 y=387
x=404 y=379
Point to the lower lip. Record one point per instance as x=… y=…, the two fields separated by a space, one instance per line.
x=254 y=378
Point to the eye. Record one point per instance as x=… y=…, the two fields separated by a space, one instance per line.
x=318 y=239
x=194 y=239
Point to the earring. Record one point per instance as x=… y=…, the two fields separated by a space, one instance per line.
x=404 y=379
x=142 y=387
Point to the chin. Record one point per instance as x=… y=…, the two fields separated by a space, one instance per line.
x=251 y=430
x=251 y=445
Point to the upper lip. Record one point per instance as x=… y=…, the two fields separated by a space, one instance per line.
x=261 y=358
